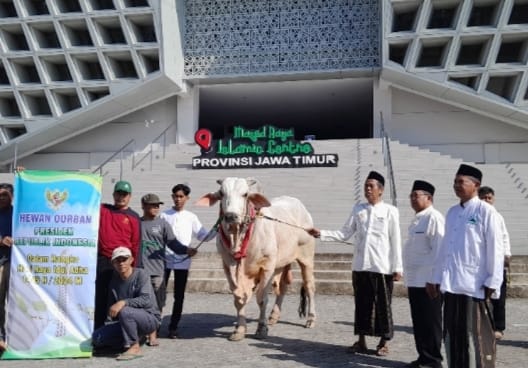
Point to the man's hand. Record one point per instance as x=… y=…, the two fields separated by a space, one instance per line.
x=488 y=292
x=433 y=290
x=396 y=276
x=6 y=241
x=191 y=251
x=116 y=308
x=316 y=233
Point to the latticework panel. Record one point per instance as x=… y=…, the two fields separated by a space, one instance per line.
x=245 y=37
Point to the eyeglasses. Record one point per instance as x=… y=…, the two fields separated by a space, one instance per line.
x=416 y=195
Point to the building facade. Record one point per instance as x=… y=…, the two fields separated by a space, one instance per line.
x=82 y=79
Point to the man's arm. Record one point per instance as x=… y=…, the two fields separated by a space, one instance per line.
x=141 y=297
x=346 y=232
x=494 y=241
x=395 y=243
x=171 y=241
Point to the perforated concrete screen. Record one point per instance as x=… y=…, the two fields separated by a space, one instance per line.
x=244 y=37
x=479 y=45
x=59 y=56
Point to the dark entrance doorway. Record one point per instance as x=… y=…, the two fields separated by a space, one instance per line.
x=327 y=109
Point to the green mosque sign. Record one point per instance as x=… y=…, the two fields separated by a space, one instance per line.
x=264 y=147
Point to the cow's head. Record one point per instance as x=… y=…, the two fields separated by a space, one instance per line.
x=236 y=195
x=238 y=199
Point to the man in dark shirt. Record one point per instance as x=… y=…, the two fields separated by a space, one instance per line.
x=6 y=219
x=131 y=306
x=156 y=235
x=118 y=226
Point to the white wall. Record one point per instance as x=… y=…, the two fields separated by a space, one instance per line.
x=92 y=148
x=423 y=122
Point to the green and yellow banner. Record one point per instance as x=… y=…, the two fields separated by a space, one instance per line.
x=53 y=265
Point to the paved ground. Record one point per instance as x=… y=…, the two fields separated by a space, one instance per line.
x=209 y=319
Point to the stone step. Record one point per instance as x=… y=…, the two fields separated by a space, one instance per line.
x=209 y=264
x=333 y=275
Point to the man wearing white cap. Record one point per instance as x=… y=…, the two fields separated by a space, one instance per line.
x=131 y=305
x=468 y=271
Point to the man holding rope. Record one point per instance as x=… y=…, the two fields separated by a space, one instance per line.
x=377 y=263
x=185 y=226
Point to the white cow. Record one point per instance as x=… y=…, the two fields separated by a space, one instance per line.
x=257 y=240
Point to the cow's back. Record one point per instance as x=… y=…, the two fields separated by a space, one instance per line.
x=290 y=238
x=291 y=210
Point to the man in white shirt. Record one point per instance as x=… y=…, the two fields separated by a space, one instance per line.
x=185 y=226
x=499 y=305
x=375 y=228
x=468 y=271
x=426 y=232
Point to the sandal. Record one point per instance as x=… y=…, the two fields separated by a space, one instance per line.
x=382 y=350
x=358 y=348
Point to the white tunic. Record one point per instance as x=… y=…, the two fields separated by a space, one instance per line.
x=425 y=236
x=505 y=237
x=185 y=225
x=472 y=253
x=376 y=232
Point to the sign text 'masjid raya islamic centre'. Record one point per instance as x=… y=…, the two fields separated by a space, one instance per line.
x=264 y=147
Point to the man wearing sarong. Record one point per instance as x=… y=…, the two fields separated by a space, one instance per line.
x=375 y=228
x=468 y=271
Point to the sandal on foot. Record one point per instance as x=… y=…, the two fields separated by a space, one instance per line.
x=128 y=356
x=358 y=348
x=382 y=350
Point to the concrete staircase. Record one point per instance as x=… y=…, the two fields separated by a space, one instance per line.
x=333 y=275
x=329 y=194
x=412 y=163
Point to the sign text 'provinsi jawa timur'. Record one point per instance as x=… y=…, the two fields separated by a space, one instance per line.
x=264 y=147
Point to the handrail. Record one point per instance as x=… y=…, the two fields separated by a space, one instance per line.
x=388 y=160
x=151 y=150
x=118 y=152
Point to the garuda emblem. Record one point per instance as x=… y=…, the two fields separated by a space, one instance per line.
x=56 y=198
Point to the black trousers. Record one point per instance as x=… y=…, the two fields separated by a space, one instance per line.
x=102 y=281
x=373 y=300
x=426 y=314
x=180 y=283
x=499 y=306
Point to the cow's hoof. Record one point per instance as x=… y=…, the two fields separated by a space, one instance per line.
x=262 y=331
x=273 y=320
x=237 y=336
x=310 y=324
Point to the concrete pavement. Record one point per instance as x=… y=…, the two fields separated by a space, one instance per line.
x=208 y=320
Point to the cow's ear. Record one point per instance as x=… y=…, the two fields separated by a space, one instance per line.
x=208 y=199
x=220 y=181
x=259 y=200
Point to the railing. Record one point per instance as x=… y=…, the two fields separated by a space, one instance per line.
x=119 y=152
x=387 y=160
x=150 y=153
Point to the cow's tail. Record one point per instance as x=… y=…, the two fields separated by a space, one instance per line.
x=302 y=303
